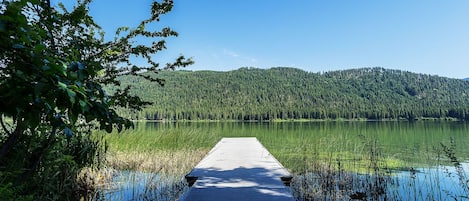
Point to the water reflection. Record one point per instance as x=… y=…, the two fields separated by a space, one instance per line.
x=135 y=185
x=414 y=146
x=437 y=183
x=414 y=142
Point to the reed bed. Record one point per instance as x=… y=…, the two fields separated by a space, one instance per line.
x=373 y=176
x=142 y=165
x=168 y=162
x=152 y=164
x=168 y=151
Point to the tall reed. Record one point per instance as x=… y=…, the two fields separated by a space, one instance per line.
x=158 y=159
x=333 y=167
x=375 y=177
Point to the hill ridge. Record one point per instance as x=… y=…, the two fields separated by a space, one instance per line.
x=291 y=93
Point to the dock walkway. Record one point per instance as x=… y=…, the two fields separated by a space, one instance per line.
x=238 y=169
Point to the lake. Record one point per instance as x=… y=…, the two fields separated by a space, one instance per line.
x=410 y=142
x=411 y=154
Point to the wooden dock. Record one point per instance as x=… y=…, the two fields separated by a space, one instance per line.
x=238 y=169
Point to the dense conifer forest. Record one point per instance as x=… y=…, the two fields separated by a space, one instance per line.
x=251 y=94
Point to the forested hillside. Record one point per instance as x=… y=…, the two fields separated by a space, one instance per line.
x=288 y=93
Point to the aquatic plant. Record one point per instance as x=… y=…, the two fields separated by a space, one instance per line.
x=334 y=167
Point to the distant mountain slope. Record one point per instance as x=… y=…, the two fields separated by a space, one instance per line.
x=288 y=93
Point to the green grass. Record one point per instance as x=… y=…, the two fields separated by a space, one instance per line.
x=298 y=154
x=169 y=150
x=169 y=139
x=164 y=155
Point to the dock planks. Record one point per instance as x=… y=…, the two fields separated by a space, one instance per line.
x=238 y=169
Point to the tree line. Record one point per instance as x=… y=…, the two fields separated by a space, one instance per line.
x=252 y=94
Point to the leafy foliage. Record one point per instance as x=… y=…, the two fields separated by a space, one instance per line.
x=53 y=66
x=287 y=93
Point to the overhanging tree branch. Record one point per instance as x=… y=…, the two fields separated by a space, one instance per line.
x=54 y=66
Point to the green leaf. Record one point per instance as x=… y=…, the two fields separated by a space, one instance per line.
x=63 y=70
x=78 y=89
x=72 y=95
x=83 y=105
x=39 y=47
x=62 y=85
x=34 y=1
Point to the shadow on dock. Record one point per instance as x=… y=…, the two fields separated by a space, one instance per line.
x=238 y=169
x=240 y=184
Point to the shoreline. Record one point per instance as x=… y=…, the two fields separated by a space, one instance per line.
x=298 y=120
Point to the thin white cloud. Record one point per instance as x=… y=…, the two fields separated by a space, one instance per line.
x=230 y=53
x=239 y=58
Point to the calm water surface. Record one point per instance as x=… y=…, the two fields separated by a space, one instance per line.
x=412 y=143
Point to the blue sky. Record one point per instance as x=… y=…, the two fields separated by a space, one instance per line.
x=423 y=36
